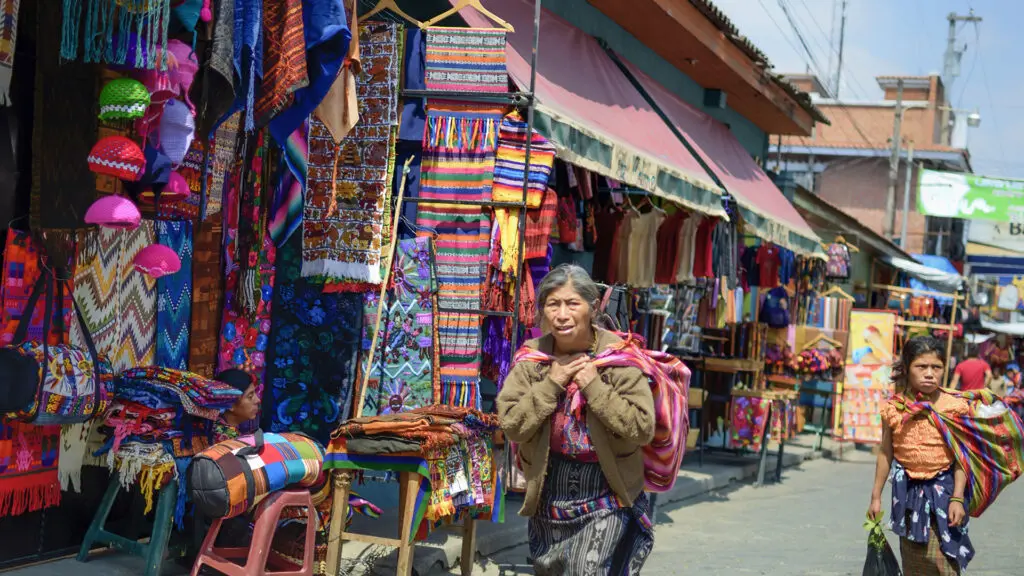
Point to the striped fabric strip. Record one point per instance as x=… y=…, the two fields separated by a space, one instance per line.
x=466 y=60
x=511 y=160
x=990 y=447
x=670 y=385
x=137 y=303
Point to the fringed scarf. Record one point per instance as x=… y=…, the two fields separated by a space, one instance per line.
x=8 y=40
x=149 y=464
x=115 y=30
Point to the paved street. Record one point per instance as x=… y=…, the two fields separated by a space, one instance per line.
x=808 y=525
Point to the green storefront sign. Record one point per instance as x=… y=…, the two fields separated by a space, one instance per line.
x=968 y=196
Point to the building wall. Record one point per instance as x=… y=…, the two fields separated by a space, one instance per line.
x=859 y=187
x=592 y=21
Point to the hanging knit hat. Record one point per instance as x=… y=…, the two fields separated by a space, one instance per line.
x=157 y=260
x=115 y=212
x=119 y=157
x=123 y=99
x=176 y=80
x=176 y=190
x=177 y=128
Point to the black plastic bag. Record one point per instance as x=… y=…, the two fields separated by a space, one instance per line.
x=881 y=560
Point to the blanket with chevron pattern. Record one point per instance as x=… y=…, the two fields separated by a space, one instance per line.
x=174 y=297
x=137 y=302
x=311 y=361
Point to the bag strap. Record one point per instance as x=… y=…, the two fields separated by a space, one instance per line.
x=254 y=450
x=86 y=335
x=21 y=333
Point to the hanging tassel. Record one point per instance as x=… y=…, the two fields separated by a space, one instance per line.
x=206 y=14
x=249 y=291
x=70 y=28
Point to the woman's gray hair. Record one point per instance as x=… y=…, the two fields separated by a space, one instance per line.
x=562 y=275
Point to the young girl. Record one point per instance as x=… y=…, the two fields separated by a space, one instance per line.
x=929 y=512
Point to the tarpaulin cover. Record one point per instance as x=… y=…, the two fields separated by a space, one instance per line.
x=770 y=215
x=933 y=273
x=592 y=112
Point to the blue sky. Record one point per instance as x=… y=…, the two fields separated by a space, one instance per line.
x=888 y=37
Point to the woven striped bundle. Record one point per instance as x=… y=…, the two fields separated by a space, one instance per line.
x=230 y=478
x=511 y=160
x=670 y=386
x=466 y=60
x=986 y=442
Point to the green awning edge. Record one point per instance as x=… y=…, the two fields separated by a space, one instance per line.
x=582 y=147
x=780 y=234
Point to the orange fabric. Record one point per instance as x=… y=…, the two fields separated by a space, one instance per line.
x=916 y=443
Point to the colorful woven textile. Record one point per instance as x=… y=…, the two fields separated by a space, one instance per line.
x=28 y=467
x=174 y=297
x=988 y=442
x=97 y=288
x=747 y=417
x=311 y=361
x=149 y=464
x=73 y=389
x=284 y=57
x=20 y=274
x=466 y=60
x=510 y=162
x=157 y=387
x=207 y=296
x=344 y=222
x=538 y=227
x=8 y=38
x=285 y=460
x=286 y=210
x=250 y=255
x=402 y=376
x=223 y=146
x=670 y=386
x=137 y=302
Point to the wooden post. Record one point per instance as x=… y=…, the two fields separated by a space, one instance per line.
x=339 y=515
x=408 y=485
x=468 y=546
x=949 y=337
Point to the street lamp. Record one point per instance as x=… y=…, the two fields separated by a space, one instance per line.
x=973 y=118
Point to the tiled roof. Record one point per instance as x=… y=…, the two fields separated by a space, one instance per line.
x=719 y=19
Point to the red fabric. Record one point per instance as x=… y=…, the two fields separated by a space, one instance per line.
x=566 y=219
x=972 y=374
x=606 y=252
x=539 y=223
x=702 y=255
x=667 y=264
x=768 y=260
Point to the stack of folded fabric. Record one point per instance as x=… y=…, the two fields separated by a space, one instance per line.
x=158 y=419
x=456 y=445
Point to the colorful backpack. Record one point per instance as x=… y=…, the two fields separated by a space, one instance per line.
x=670 y=386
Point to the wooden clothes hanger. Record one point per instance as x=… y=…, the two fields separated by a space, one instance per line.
x=837 y=291
x=822 y=338
x=840 y=240
x=463 y=4
x=391 y=6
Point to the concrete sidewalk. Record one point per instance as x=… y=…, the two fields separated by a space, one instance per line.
x=440 y=553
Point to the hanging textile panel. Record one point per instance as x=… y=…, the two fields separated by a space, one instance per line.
x=137 y=300
x=466 y=60
x=207 y=297
x=402 y=375
x=344 y=221
x=458 y=164
x=174 y=298
x=311 y=362
x=250 y=256
x=20 y=274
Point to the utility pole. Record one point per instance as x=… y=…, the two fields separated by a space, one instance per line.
x=907 y=177
x=951 y=64
x=894 y=165
x=842 y=38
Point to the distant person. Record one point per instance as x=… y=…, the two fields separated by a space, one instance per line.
x=971 y=374
x=929 y=513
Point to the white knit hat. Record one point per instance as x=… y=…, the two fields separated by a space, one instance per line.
x=177 y=129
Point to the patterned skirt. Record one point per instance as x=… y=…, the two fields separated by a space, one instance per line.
x=929 y=546
x=582 y=528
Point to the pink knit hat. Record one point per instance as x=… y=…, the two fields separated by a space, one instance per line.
x=176 y=190
x=119 y=157
x=115 y=212
x=157 y=260
x=176 y=81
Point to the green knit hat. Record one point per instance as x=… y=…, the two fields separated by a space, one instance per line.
x=123 y=99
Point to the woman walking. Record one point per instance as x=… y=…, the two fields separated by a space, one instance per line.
x=929 y=512
x=580 y=431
